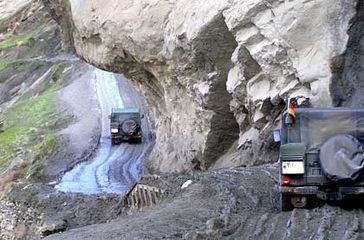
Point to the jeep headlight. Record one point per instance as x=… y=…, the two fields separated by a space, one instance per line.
x=114 y=130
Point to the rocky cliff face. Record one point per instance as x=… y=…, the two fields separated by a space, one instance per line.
x=216 y=74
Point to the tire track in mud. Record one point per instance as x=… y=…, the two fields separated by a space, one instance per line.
x=271 y=228
x=218 y=197
x=114 y=169
x=254 y=218
x=327 y=222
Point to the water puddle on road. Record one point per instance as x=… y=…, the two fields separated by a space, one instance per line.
x=114 y=169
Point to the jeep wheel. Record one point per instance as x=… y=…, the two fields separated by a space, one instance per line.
x=299 y=201
x=113 y=142
x=313 y=202
x=286 y=204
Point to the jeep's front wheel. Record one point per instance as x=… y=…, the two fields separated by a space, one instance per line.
x=286 y=204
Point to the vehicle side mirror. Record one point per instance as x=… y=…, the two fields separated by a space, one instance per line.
x=142 y=116
x=277 y=135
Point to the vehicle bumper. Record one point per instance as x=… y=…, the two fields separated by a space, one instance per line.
x=338 y=194
x=125 y=138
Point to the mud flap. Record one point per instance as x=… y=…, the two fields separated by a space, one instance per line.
x=285 y=201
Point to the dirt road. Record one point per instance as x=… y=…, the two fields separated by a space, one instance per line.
x=231 y=203
x=114 y=168
x=234 y=203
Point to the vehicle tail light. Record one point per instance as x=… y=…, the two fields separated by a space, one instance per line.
x=285 y=180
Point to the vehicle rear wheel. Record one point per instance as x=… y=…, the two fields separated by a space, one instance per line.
x=299 y=201
x=113 y=142
x=313 y=202
x=286 y=204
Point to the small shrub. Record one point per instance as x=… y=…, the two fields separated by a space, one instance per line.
x=21 y=39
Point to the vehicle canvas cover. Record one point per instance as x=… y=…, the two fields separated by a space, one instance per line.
x=338 y=134
x=120 y=115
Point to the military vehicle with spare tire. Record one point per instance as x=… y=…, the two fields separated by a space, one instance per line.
x=125 y=125
x=321 y=155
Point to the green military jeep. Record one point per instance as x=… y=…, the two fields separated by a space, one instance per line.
x=125 y=125
x=321 y=155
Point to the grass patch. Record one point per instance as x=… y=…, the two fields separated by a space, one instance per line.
x=21 y=39
x=24 y=123
x=57 y=72
x=45 y=147
x=15 y=63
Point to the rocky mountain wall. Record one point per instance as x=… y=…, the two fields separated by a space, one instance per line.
x=216 y=74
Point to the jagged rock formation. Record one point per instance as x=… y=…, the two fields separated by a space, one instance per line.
x=10 y=7
x=214 y=72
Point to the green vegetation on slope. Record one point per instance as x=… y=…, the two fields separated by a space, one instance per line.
x=14 y=63
x=21 y=39
x=45 y=147
x=24 y=125
x=57 y=74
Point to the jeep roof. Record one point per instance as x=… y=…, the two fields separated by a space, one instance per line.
x=125 y=110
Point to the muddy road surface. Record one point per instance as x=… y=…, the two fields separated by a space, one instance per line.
x=113 y=169
x=234 y=203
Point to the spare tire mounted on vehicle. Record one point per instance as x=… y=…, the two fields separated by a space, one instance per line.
x=129 y=127
x=342 y=158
